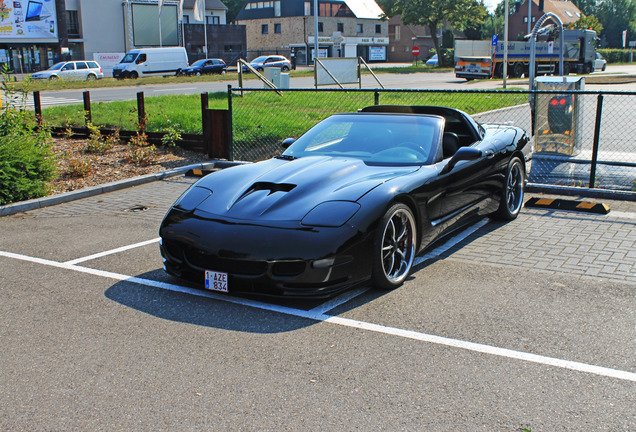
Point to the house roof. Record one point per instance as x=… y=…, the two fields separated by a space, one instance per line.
x=565 y=10
x=365 y=9
x=209 y=4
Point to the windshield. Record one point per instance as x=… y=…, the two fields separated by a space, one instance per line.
x=57 y=66
x=129 y=58
x=373 y=138
x=260 y=59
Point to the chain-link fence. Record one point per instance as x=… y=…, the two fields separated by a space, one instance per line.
x=584 y=139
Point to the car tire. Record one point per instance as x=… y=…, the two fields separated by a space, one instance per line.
x=394 y=247
x=91 y=77
x=198 y=73
x=259 y=70
x=512 y=194
x=53 y=78
x=604 y=67
x=223 y=72
x=284 y=69
x=133 y=75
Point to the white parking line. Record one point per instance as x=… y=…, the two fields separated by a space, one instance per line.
x=112 y=251
x=321 y=317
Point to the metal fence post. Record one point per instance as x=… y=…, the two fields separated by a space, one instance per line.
x=376 y=98
x=597 y=134
x=230 y=125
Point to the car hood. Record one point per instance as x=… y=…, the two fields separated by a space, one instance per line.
x=287 y=190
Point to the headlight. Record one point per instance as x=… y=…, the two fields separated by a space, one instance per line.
x=331 y=214
x=192 y=198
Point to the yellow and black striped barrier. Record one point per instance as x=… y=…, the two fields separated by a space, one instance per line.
x=568 y=205
x=198 y=172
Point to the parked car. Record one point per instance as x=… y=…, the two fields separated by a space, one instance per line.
x=278 y=61
x=599 y=62
x=87 y=70
x=151 y=62
x=432 y=61
x=205 y=66
x=352 y=200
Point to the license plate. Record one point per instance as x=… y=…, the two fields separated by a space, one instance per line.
x=216 y=281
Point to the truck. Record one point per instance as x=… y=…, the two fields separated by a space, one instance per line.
x=479 y=59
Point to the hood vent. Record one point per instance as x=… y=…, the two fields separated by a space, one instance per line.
x=271 y=187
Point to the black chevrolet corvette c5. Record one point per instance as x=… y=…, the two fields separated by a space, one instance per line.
x=353 y=200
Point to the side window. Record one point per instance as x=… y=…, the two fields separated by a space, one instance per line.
x=81 y=65
x=141 y=58
x=68 y=67
x=93 y=65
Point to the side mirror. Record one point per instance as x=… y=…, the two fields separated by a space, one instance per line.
x=287 y=142
x=464 y=153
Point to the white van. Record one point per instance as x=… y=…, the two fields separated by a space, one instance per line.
x=151 y=62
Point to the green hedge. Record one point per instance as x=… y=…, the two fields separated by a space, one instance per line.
x=615 y=55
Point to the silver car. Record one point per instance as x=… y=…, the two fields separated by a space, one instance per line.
x=86 y=70
x=599 y=62
x=277 y=61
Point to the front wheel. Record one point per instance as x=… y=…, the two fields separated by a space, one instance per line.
x=512 y=193
x=394 y=247
x=284 y=69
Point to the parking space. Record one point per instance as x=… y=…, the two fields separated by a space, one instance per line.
x=530 y=324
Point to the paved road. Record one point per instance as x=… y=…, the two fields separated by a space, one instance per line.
x=441 y=80
x=530 y=324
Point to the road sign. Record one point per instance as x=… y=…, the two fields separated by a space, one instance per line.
x=415 y=51
x=494 y=40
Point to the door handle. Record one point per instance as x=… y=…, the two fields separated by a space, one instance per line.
x=489 y=154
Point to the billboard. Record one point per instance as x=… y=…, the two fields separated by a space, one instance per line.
x=146 y=25
x=28 y=21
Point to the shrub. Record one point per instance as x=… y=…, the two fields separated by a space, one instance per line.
x=79 y=167
x=25 y=168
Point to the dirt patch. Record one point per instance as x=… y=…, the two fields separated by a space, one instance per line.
x=78 y=169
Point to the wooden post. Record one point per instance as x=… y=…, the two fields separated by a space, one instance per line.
x=88 y=117
x=217 y=138
x=141 y=113
x=204 y=122
x=37 y=106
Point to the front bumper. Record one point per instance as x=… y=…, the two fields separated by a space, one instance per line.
x=271 y=261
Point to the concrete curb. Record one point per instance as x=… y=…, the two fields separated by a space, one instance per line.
x=581 y=192
x=136 y=181
x=37 y=203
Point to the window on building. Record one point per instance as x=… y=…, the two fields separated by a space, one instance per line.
x=264 y=29
x=320 y=27
x=378 y=28
x=360 y=28
x=525 y=19
x=212 y=20
x=394 y=32
x=307 y=8
x=72 y=22
x=186 y=19
x=277 y=28
x=277 y=8
x=340 y=27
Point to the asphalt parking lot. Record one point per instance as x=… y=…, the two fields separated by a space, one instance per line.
x=503 y=327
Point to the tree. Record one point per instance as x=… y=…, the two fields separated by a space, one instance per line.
x=616 y=16
x=233 y=8
x=432 y=14
x=587 y=23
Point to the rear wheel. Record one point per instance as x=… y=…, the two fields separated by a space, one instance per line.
x=512 y=194
x=284 y=69
x=518 y=70
x=394 y=247
x=198 y=73
x=91 y=77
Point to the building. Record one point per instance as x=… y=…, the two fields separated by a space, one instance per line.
x=518 y=22
x=402 y=39
x=346 y=28
x=35 y=34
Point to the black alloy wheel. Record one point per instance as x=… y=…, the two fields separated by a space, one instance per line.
x=512 y=194
x=394 y=248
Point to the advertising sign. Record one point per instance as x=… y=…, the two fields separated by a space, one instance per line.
x=28 y=21
x=377 y=53
x=108 y=60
